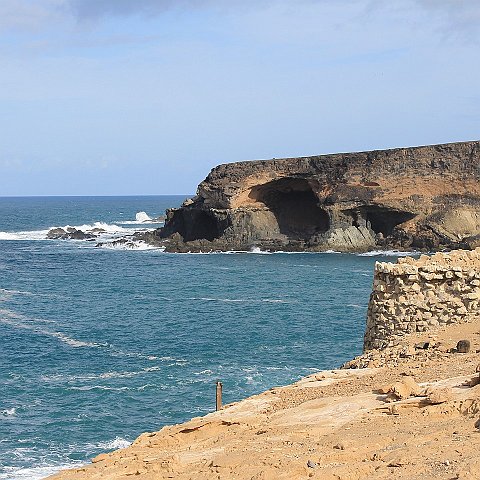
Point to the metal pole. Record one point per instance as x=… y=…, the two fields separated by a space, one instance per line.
x=218 y=404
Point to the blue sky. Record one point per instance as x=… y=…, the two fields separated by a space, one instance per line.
x=105 y=97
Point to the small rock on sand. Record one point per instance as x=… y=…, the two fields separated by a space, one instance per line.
x=463 y=346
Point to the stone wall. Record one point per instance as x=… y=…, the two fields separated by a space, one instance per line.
x=415 y=295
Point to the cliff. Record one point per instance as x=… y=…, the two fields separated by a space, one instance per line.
x=406 y=198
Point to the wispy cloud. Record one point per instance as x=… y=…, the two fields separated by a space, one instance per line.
x=454 y=18
x=458 y=19
x=92 y=9
x=29 y=14
x=95 y=9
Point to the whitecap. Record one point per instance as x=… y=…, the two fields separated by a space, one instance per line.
x=6 y=294
x=116 y=443
x=86 y=388
x=259 y=251
x=30 y=235
x=35 y=473
x=16 y=320
x=71 y=341
x=11 y=316
x=238 y=300
x=387 y=253
x=148 y=385
x=142 y=218
x=273 y=300
x=130 y=245
x=96 y=376
x=102 y=230
x=9 y=412
x=254 y=251
x=122 y=353
x=172 y=359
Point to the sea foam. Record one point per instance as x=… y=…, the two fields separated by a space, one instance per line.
x=387 y=253
x=35 y=473
x=104 y=231
x=9 y=412
x=142 y=218
x=130 y=245
x=116 y=443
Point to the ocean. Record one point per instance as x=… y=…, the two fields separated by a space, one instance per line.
x=101 y=344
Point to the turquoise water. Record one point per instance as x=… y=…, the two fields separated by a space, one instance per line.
x=99 y=345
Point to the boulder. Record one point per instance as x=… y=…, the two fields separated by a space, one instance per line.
x=437 y=395
x=69 y=234
x=56 y=233
x=403 y=389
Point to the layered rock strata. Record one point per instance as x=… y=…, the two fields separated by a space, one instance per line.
x=418 y=295
x=407 y=198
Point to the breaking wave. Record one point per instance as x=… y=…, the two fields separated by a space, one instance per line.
x=102 y=230
x=117 y=442
x=387 y=253
x=130 y=245
x=142 y=218
x=35 y=473
x=33 y=235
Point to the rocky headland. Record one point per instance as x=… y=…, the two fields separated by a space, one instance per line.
x=407 y=408
x=422 y=198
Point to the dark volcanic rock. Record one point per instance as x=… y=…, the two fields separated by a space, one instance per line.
x=424 y=198
x=69 y=234
x=463 y=346
x=56 y=233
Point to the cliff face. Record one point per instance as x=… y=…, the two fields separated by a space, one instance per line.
x=422 y=198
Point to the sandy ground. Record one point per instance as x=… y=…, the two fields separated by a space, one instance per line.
x=337 y=424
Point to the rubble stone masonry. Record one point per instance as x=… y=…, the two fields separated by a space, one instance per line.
x=416 y=295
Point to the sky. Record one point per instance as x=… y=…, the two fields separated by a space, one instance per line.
x=129 y=97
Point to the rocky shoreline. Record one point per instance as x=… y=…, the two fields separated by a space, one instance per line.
x=409 y=411
x=421 y=198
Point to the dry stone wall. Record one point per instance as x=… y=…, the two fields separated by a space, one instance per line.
x=415 y=295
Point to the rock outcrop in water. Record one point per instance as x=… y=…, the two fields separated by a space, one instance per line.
x=405 y=198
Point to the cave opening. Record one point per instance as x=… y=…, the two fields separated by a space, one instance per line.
x=384 y=220
x=199 y=226
x=295 y=207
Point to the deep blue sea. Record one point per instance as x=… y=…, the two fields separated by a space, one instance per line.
x=99 y=345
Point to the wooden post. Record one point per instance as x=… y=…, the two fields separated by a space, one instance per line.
x=218 y=404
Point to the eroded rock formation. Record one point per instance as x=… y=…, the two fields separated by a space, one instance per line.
x=407 y=198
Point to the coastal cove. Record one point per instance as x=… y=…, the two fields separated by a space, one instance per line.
x=103 y=344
